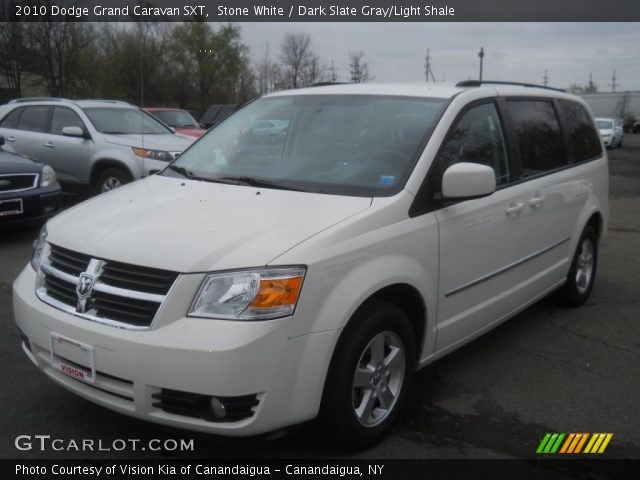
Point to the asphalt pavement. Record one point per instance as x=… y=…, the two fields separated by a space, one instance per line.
x=546 y=370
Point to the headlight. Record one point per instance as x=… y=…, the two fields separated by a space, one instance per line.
x=249 y=294
x=48 y=177
x=38 y=248
x=153 y=154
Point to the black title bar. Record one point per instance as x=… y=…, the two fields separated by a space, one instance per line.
x=321 y=10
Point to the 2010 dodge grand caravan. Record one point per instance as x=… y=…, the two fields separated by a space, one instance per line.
x=261 y=281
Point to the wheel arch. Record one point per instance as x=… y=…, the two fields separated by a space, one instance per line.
x=408 y=299
x=104 y=164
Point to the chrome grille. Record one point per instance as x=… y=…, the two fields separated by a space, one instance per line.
x=17 y=182
x=120 y=294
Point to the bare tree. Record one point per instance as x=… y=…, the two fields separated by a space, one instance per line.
x=314 y=72
x=13 y=53
x=56 y=49
x=359 y=68
x=301 y=66
x=268 y=73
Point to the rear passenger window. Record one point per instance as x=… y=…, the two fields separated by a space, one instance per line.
x=11 y=120
x=584 y=138
x=34 y=119
x=539 y=138
x=477 y=137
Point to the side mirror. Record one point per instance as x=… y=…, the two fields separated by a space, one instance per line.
x=468 y=180
x=73 y=132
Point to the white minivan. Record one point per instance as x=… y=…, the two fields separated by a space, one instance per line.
x=261 y=281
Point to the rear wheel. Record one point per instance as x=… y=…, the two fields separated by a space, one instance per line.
x=111 y=179
x=369 y=378
x=577 y=289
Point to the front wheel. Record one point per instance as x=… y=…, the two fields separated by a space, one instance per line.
x=369 y=378
x=111 y=179
x=582 y=273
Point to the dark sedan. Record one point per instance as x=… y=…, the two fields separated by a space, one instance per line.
x=29 y=191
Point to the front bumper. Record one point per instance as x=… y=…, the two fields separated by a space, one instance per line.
x=206 y=357
x=38 y=206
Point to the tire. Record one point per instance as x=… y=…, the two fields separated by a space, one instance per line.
x=376 y=349
x=111 y=179
x=582 y=273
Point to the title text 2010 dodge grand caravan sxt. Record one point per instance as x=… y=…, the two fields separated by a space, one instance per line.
x=261 y=281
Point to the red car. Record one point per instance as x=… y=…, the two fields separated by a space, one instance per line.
x=181 y=120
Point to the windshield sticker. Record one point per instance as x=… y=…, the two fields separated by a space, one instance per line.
x=387 y=180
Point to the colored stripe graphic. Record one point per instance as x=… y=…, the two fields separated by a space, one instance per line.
x=573 y=443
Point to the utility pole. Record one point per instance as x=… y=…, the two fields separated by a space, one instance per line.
x=427 y=68
x=481 y=56
x=545 y=78
x=613 y=83
x=334 y=75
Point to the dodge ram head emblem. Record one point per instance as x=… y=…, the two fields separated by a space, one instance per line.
x=5 y=183
x=85 y=285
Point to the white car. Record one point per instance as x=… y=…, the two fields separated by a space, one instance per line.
x=252 y=285
x=611 y=132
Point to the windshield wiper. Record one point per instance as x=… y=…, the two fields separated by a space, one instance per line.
x=264 y=183
x=185 y=172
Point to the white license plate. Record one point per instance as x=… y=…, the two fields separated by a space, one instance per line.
x=73 y=358
x=10 y=207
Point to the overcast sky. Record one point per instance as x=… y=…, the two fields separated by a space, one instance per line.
x=513 y=51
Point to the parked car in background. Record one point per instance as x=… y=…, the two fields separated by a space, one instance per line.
x=636 y=127
x=610 y=131
x=180 y=120
x=253 y=285
x=270 y=129
x=217 y=113
x=97 y=144
x=29 y=191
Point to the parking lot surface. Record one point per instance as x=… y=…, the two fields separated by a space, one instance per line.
x=545 y=370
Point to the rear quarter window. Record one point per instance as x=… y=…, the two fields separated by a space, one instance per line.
x=539 y=138
x=11 y=120
x=584 y=138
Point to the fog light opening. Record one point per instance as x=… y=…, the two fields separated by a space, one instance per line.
x=217 y=408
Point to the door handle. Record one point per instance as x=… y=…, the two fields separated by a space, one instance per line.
x=49 y=145
x=11 y=139
x=537 y=201
x=514 y=208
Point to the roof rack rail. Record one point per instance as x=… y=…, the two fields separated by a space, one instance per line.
x=105 y=100
x=478 y=83
x=324 y=84
x=38 y=99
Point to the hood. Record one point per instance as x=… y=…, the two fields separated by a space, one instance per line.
x=194 y=226
x=170 y=142
x=191 y=131
x=12 y=163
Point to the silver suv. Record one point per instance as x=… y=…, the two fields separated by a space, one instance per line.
x=100 y=144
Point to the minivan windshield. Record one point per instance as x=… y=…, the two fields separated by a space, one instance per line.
x=605 y=124
x=122 y=121
x=364 y=145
